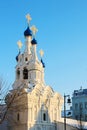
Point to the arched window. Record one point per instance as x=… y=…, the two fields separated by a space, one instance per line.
x=18 y=73
x=44 y=116
x=25 y=73
x=26 y=59
x=18 y=117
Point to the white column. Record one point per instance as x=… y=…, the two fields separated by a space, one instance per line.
x=34 y=53
x=28 y=44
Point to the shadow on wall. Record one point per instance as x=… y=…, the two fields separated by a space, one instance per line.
x=27 y=113
x=42 y=120
x=60 y=126
x=32 y=117
x=3 y=126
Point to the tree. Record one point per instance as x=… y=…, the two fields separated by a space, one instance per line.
x=4 y=89
x=8 y=97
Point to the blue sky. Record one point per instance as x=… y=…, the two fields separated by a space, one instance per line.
x=62 y=34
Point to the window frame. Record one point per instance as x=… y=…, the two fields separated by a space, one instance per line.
x=44 y=117
x=25 y=73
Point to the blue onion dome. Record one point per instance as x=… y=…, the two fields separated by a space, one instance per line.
x=27 y=32
x=43 y=63
x=33 y=42
x=17 y=56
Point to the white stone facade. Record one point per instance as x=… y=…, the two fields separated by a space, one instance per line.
x=32 y=104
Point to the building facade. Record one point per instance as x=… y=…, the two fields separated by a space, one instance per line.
x=79 y=104
x=31 y=104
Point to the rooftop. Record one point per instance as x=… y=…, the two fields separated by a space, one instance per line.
x=80 y=92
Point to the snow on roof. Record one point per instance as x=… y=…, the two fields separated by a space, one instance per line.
x=75 y=123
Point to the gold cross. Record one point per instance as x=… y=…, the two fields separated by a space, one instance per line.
x=28 y=17
x=41 y=53
x=19 y=43
x=34 y=29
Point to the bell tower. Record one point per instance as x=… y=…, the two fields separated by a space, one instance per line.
x=32 y=105
x=29 y=68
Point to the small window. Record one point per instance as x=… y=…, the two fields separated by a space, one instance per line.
x=18 y=117
x=18 y=73
x=26 y=59
x=85 y=117
x=76 y=106
x=0 y=115
x=25 y=73
x=76 y=117
x=85 y=105
x=44 y=116
x=80 y=106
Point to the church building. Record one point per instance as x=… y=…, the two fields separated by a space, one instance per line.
x=31 y=104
